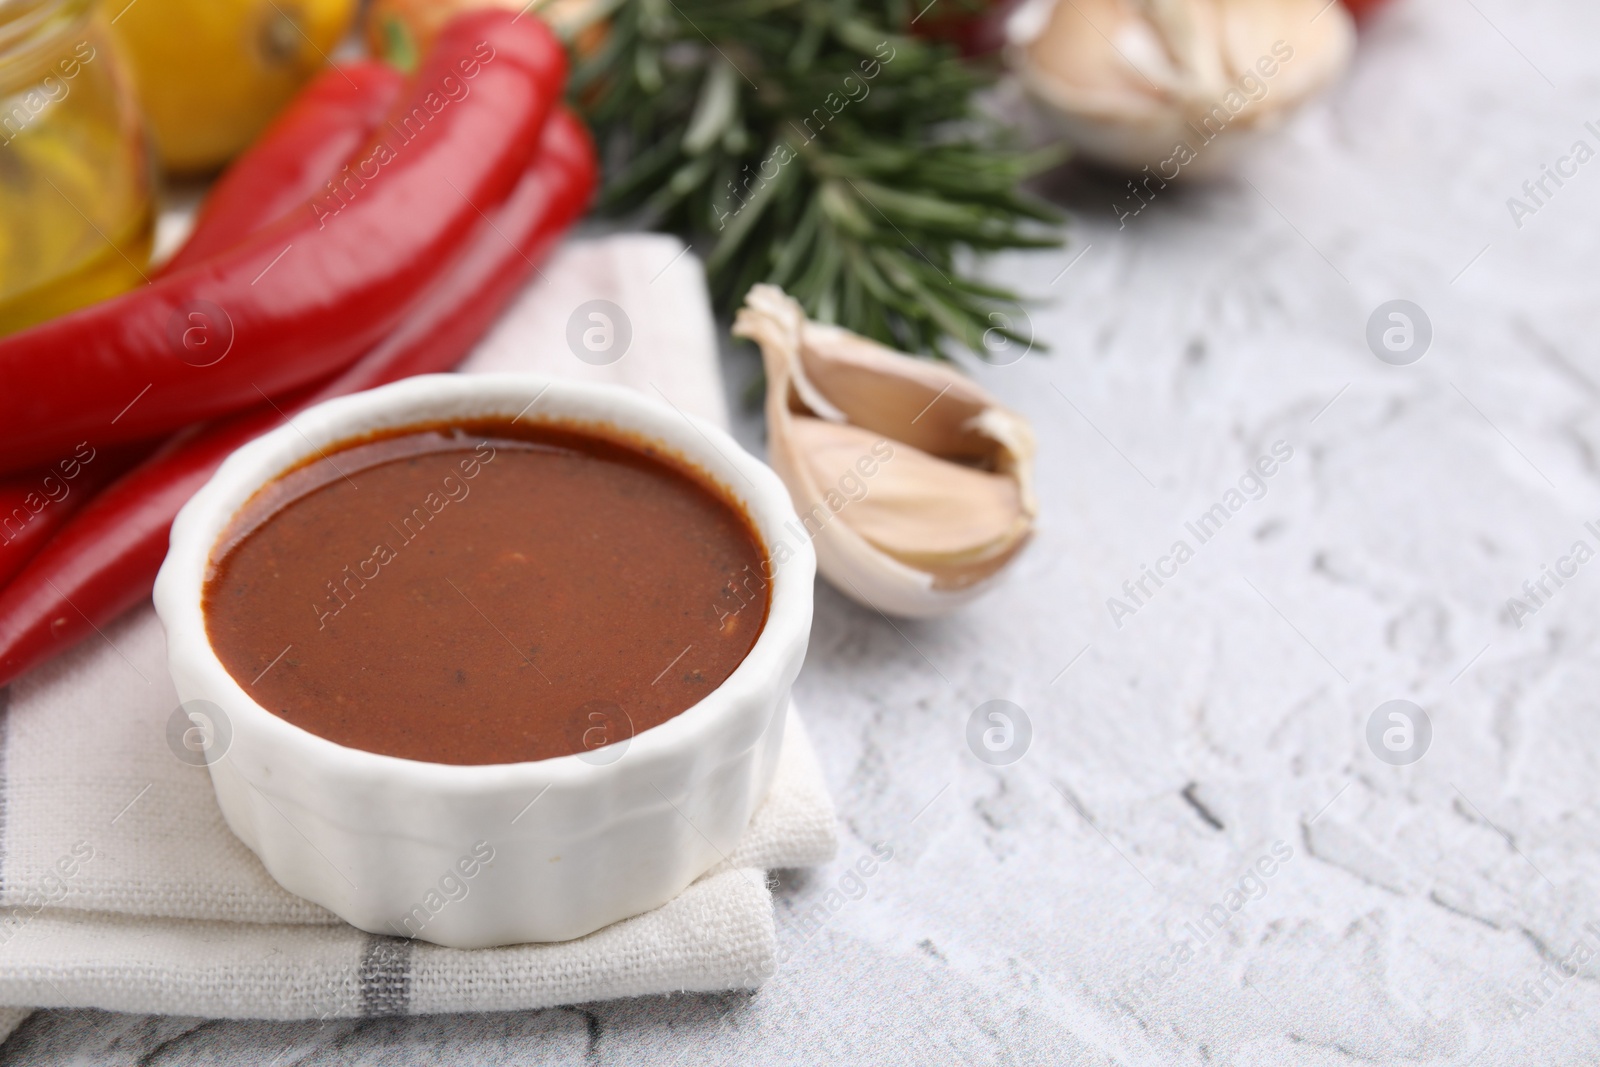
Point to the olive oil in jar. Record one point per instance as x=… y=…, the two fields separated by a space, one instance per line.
x=76 y=211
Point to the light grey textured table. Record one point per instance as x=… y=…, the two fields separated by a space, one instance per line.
x=1039 y=912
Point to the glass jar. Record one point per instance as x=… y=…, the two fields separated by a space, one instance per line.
x=76 y=206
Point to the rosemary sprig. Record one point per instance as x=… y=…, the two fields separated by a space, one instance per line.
x=811 y=144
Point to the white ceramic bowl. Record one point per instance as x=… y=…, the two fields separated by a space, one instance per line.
x=474 y=856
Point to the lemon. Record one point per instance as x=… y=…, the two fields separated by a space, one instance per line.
x=212 y=73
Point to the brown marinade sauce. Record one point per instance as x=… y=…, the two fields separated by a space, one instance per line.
x=486 y=592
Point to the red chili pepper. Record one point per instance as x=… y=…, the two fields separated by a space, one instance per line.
x=293 y=158
x=1360 y=9
x=34 y=505
x=299 y=300
x=105 y=560
x=977 y=29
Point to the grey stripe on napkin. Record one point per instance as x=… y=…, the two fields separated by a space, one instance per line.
x=385 y=976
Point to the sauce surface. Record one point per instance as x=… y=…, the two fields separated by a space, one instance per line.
x=486 y=593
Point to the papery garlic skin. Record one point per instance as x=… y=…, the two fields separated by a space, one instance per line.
x=1174 y=85
x=914 y=485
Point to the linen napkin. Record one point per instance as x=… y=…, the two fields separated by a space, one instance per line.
x=122 y=888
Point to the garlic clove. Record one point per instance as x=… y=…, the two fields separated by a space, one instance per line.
x=914 y=484
x=1130 y=81
x=919 y=509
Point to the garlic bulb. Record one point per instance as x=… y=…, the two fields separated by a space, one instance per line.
x=1171 y=85
x=914 y=484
